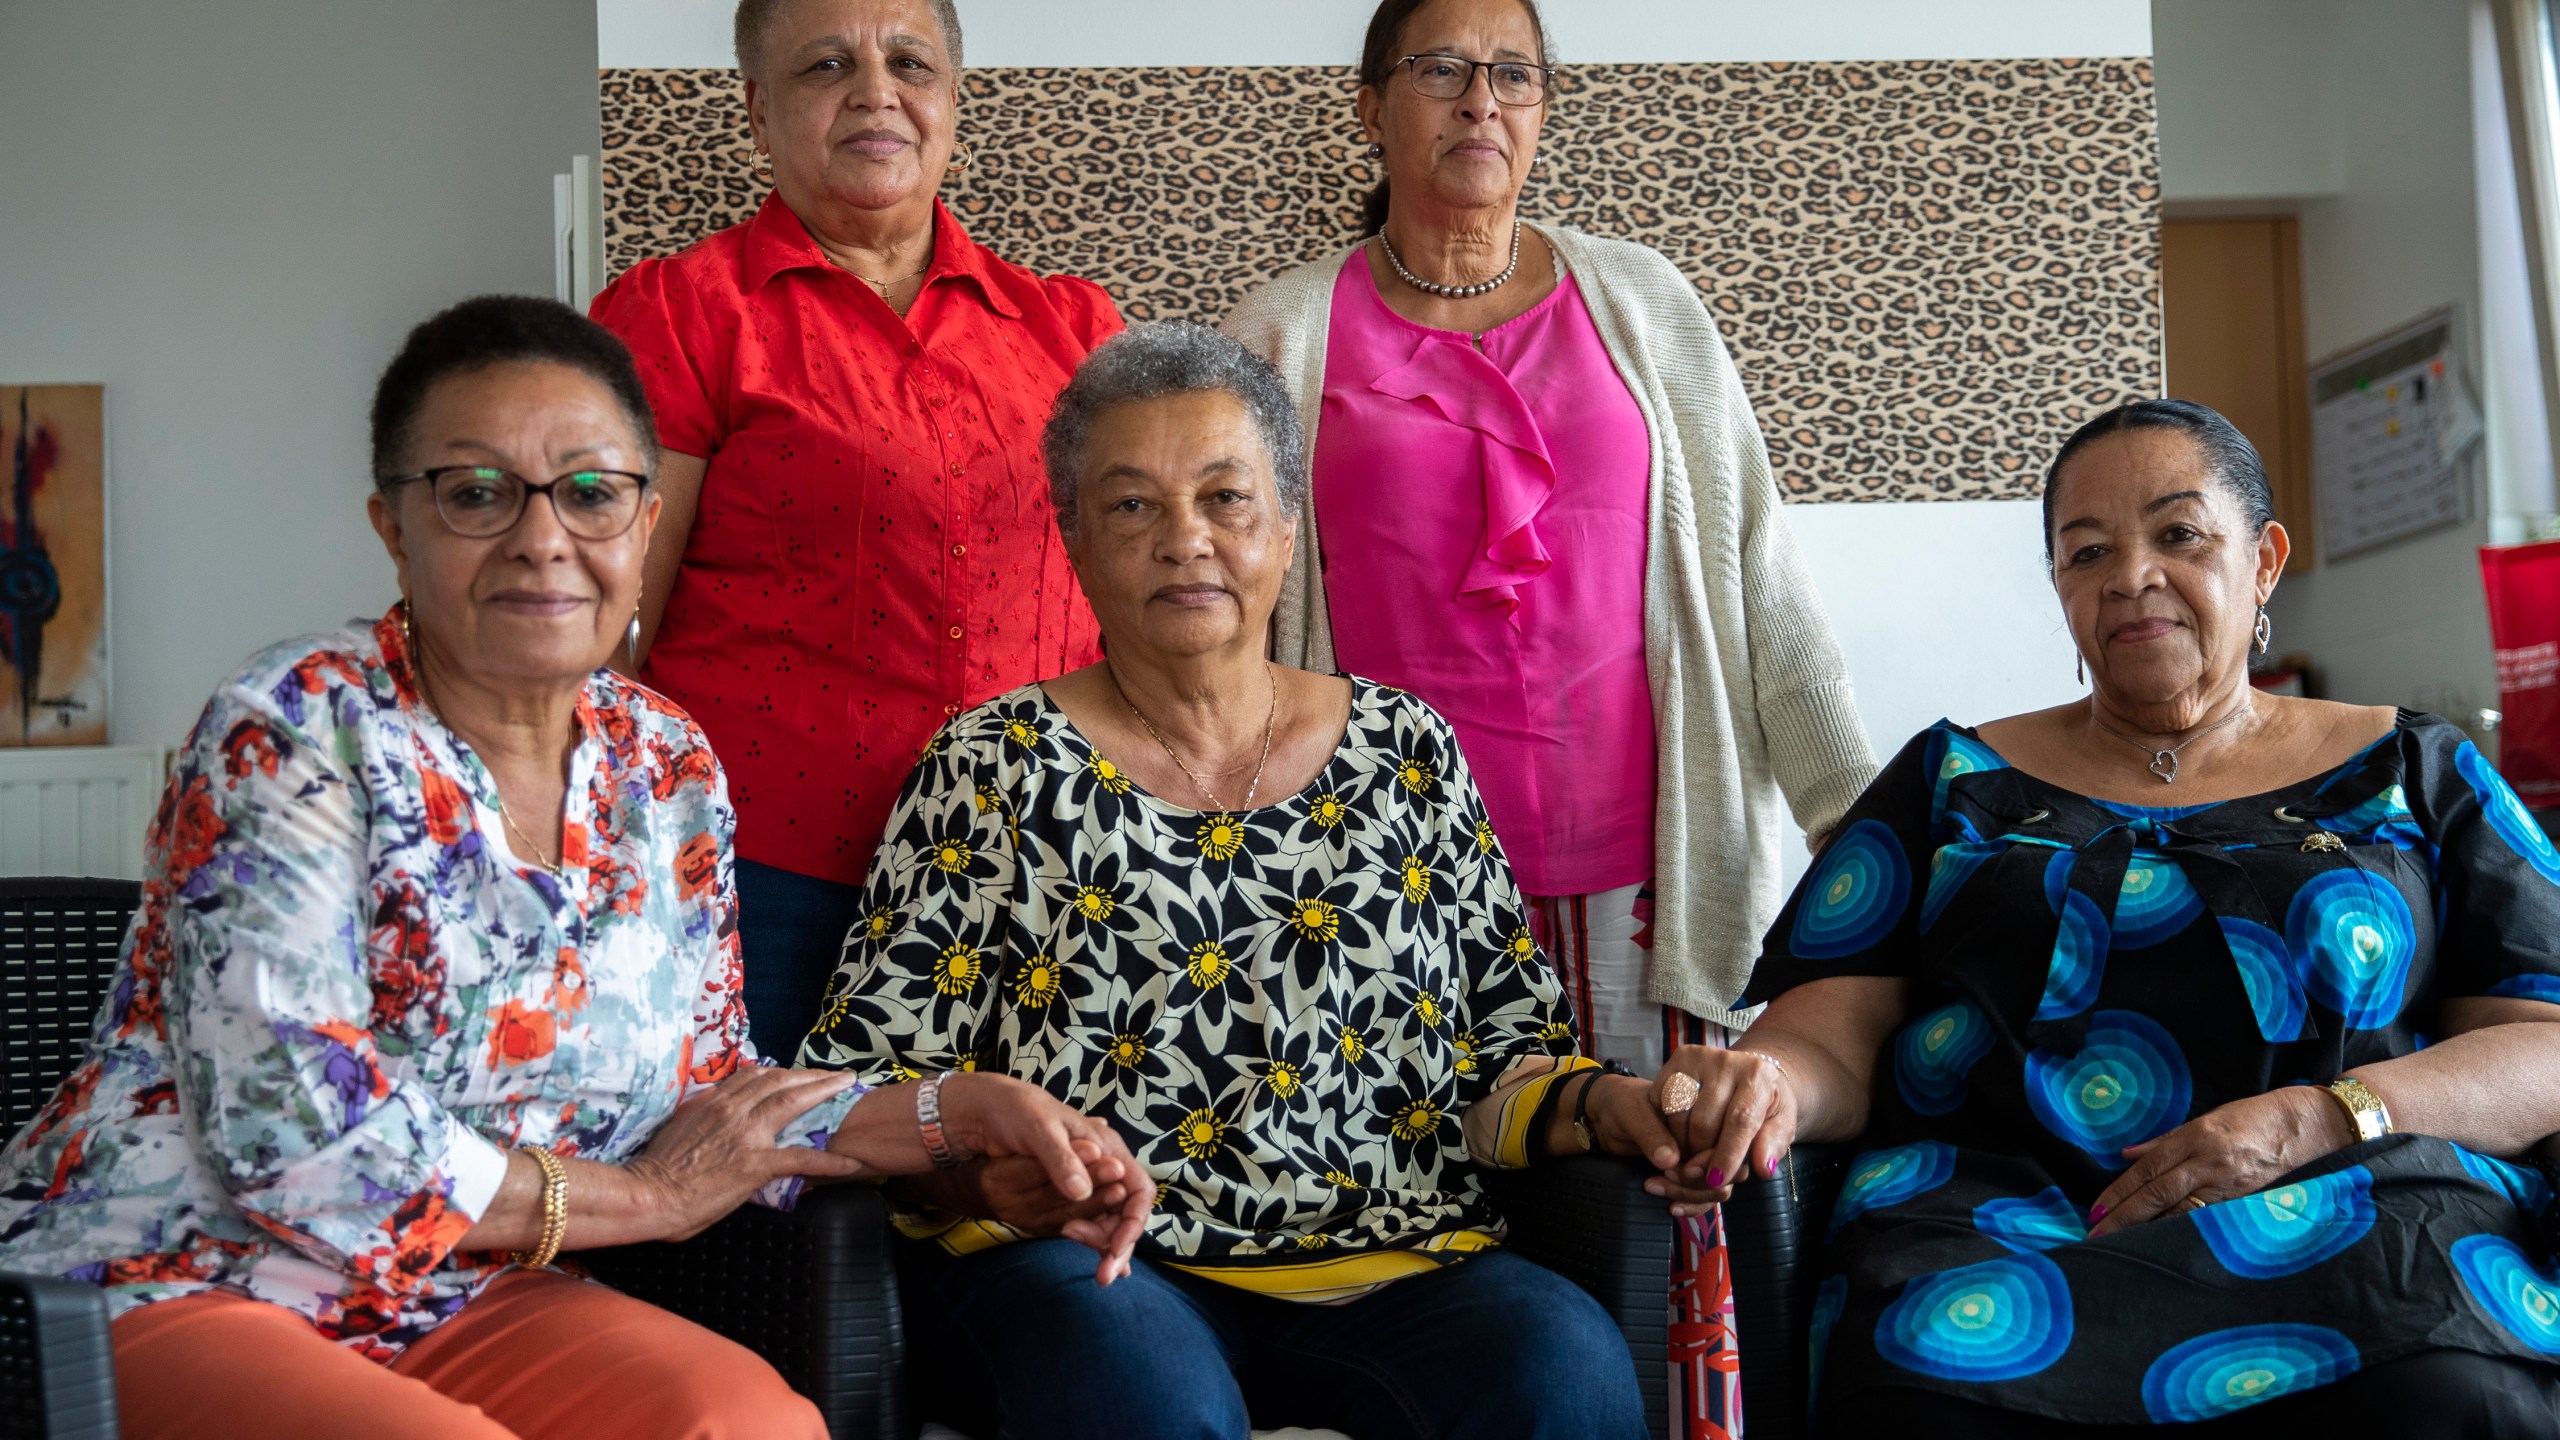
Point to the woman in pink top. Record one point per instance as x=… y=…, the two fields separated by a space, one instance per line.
x=1541 y=503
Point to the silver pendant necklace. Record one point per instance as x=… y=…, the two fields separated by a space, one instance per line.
x=2164 y=763
x=1454 y=292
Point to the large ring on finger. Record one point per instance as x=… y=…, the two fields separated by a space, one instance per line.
x=1679 y=1092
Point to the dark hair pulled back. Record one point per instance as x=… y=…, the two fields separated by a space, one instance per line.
x=2228 y=454
x=499 y=330
x=1378 y=57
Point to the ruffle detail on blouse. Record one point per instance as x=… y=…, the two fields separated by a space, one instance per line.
x=1519 y=476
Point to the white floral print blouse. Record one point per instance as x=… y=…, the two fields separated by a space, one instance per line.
x=345 y=998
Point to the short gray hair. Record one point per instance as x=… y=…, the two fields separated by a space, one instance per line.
x=749 y=29
x=1176 y=357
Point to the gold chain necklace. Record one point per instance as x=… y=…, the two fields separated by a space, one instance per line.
x=881 y=285
x=2164 y=763
x=418 y=673
x=885 y=286
x=1270 y=721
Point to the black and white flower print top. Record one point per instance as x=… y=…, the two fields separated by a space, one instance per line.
x=1303 y=1018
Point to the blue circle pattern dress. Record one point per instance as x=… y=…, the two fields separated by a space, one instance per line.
x=2094 y=975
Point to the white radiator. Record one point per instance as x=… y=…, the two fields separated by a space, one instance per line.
x=78 y=810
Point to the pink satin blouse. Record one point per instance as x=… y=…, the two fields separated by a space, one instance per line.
x=1484 y=502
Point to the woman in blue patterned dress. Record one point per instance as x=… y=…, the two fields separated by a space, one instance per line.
x=2191 y=1036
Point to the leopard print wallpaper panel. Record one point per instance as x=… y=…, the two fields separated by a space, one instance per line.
x=1929 y=271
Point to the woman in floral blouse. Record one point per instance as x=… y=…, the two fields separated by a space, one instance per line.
x=436 y=975
x=1255 y=918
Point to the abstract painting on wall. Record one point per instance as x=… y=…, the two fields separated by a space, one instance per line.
x=53 y=565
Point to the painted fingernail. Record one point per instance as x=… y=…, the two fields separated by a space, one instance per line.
x=1770 y=1169
x=1715 y=1179
x=2097 y=1213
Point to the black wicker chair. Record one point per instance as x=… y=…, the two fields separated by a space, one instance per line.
x=809 y=1291
x=1773 y=1231
x=814 y=1292
x=58 y=944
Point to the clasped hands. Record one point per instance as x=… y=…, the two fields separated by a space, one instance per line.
x=1053 y=1169
x=1044 y=1168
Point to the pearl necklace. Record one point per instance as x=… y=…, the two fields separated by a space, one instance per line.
x=1455 y=292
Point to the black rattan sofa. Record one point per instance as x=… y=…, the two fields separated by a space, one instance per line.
x=815 y=1291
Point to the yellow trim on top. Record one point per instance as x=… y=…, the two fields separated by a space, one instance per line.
x=1344 y=1277
x=1520 y=1107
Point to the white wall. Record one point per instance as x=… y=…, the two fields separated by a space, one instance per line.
x=2358 y=116
x=229 y=214
x=2250 y=104
x=1327 y=32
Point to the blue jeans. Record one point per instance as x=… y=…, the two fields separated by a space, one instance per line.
x=1018 y=1342
x=791 y=928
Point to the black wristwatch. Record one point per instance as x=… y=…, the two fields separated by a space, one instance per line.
x=1582 y=1102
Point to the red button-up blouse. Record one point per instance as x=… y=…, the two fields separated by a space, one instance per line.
x=874 y=549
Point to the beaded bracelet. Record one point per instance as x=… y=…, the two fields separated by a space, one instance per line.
x=555 y=1209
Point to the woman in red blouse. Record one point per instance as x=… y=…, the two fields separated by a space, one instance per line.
x=857 y=541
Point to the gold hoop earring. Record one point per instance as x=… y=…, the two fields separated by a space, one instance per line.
x=760 y=169
x=963 y=155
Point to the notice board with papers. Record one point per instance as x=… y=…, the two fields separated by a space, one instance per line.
x=2390 y=423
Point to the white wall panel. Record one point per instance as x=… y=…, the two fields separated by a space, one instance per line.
x=1944 y=609
x=230 y=214
x=1327 y=32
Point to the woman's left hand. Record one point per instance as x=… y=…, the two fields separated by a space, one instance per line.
x=998 y=1116
x=1624 y=1122
x=2234 y=1150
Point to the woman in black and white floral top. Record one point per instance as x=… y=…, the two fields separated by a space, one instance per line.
x=1253 y=917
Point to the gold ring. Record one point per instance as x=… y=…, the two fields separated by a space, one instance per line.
x=1679 y=1092
x=2191 y=1203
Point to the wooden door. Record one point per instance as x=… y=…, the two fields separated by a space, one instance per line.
x=2231 y=301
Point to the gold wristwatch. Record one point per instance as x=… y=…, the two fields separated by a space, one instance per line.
x=2365 y=1110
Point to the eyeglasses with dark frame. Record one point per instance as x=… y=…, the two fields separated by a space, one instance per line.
x=1446 y=77
x=482 y=501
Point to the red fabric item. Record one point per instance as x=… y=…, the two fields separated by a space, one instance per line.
x=874 y=551
x=2523 y=585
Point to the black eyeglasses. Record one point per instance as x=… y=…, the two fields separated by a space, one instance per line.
x=1446 y=77
x=480 y=501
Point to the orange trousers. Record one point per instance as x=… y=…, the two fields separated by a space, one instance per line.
x=537 y=1356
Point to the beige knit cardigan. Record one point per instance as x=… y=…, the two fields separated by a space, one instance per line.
x=1751 y=698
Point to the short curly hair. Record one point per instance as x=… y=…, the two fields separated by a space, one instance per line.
x=753 y=24
x=499 y=330
x=1176 y=357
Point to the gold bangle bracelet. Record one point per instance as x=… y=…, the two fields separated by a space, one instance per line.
x=555 y=1209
